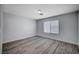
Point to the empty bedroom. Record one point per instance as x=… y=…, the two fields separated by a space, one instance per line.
x=39 y=28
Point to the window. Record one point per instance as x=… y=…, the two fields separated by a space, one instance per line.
x=51 y=26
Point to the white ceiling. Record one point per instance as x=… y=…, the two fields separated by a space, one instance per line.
x=30 y=10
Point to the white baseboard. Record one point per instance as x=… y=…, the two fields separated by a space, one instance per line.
x=18 y=39
x=59 y=40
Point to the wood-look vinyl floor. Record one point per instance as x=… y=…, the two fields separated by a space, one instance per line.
x=39 y=45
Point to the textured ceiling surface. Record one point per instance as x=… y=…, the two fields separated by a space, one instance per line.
x=31 y=10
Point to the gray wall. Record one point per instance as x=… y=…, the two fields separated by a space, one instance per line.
x=0 y=29
x=68 y=28
x=16 y=27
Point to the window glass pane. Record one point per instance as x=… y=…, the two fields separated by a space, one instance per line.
x=47 y=27
x=55 y=26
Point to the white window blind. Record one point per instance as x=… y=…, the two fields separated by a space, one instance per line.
x=54 y=27
x=51 y=26
x=47 y=27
